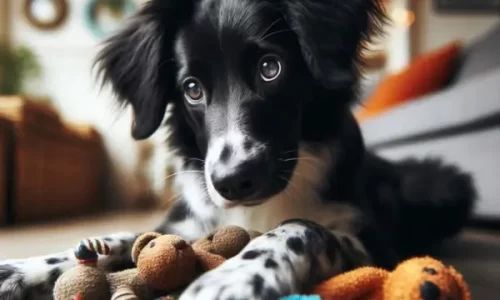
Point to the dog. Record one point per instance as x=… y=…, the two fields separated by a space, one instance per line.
x=257 y=98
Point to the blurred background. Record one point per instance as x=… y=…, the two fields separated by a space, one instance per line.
x=69 y=168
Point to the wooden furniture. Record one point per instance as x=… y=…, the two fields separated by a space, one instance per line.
x=6 y=143
x=57 y=167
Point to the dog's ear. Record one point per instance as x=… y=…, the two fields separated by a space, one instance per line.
x=331 y=34
x=138 y=61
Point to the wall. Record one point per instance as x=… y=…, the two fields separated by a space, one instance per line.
x=398 y=39
x=432 y=30
x=66 y=56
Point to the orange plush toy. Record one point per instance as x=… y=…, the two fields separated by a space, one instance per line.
x=415 y=279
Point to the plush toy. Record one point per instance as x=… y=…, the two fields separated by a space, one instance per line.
x=164 y=264
x=301 y=297
x=415 y=279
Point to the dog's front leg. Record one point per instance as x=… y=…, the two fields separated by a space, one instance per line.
x=34 y=277
x=290 y=259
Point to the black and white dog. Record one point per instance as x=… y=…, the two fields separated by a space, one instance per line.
x=257 y=97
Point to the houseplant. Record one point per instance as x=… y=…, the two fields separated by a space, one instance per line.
x=17 y=66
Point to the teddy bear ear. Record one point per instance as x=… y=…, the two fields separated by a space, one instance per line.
x=141 y=242
x=462 y=285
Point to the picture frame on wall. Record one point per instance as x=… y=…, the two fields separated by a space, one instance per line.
x=467 y=6
x=103 y=17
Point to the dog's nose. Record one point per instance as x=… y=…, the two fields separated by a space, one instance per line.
x=239 y=183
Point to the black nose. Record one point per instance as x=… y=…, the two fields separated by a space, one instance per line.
x=429 y=291
x=241 y=184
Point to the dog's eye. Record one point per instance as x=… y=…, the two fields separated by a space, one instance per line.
x=193 y=90
x=270 y=68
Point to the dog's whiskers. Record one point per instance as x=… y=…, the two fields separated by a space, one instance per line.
x=172 y=199
x=290 y=183
x=309 y=161
x=269 y=28
x=183 y=172
x=195 y=159
x=301 y=159
x=276 y=32
x=293 y=173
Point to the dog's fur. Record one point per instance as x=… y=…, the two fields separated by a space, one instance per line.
x=291 y=143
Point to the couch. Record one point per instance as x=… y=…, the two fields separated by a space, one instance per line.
x=460 y=123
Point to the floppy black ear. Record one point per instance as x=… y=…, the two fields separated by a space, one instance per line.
x=138 y=62
x=331 y=34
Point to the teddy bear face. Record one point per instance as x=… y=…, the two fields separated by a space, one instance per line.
x=167 y=262
x=427 y=280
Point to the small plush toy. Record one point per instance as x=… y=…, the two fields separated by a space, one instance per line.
x=415 y=279
x=301 y=297
x=164 y=264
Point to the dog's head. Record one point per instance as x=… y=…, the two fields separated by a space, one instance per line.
x=246 y=76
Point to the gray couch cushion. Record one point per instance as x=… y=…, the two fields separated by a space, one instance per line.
x=480 y=56
x=451 y=107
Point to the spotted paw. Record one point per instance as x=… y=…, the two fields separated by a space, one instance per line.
x=233 y=287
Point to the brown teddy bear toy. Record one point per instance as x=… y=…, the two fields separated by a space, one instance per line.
x=164 y=263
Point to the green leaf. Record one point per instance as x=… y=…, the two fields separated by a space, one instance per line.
x=17 y=66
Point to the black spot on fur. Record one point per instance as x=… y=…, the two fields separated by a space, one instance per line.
x=271 y=263
x=179 y=212
x=257 y=284
x=45 y=288
x=271 y=235
x=431 y=271
x=429 y=291
x=6 y=272
x=221 y=291
x=310 y=236
x=288 y=261
x=197 y=289
x=55 y=260
x=251 y=254
x=17 y=288
x=271 y=294
x=54 y=275
x=296 y=244
x=247 y=144
x=332 y=247
x=152 y=245
x=108 y=239
x=225 y=154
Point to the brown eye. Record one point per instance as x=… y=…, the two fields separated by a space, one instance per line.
x=193 y=90
x=270 y=68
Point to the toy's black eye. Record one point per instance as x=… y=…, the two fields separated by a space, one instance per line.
x=152 y=245
x=270 y=67
x=193 y=90
x=430 y=271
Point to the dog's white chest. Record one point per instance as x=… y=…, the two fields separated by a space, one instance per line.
x=268 y=216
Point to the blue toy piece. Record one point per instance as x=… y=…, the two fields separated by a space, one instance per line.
x=301 y=297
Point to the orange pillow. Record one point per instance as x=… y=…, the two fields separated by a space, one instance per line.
x=425 y=74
